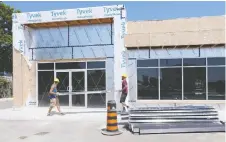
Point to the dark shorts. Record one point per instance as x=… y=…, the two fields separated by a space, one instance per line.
x=123 y=98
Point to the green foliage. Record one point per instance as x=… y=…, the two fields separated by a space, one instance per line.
x=6 y=37
x=5 y=88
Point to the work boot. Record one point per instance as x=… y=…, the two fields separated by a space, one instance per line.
x=49 y=114
x=61 y=113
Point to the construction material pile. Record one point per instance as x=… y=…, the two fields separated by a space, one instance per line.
x=144 y=120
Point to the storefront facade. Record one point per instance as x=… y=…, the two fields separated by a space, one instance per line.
x=169 y=61
x=177 y=61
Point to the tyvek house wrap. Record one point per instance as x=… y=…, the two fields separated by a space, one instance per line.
x=21 y=33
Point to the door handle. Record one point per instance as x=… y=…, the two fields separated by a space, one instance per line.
x=68 y=88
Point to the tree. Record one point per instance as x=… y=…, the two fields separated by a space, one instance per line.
x=6 y=37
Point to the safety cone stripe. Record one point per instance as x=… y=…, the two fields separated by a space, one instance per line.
x=111 y=118
x=111 y=114
x=112 y=128
x=115 y=124
x=113 y=121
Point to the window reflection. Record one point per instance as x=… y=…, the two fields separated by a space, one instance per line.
x=216 y=83
x=195 y=83
x=96 y=80
x=78 y=81
x=170 y=62
x=171 y=83
x=45 y=80
x=147 y=63
x=194 y=61
x=147 y=80
x=96 y=100
x=71 y=65
x=45 y=66
x=94 y=65
x=216 y=61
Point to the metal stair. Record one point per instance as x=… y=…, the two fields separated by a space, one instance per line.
x=180 y=119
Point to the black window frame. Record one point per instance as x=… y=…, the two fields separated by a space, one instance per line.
x=210 y=61
x=69 y=64
x=45 y=66
x=193 y=60
x=173 y=59
x=154 y=63
x=99 y=64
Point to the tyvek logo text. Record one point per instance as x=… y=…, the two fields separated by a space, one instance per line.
x=85 y=13
x=34 y=17
x=109 y=11
x=123 y=26
x=59 y=15
x=123 y=54
x=21 y=45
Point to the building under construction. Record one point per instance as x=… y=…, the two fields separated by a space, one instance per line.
x=176 y=61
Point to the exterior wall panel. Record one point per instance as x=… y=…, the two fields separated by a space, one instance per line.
x=191 y=31
x=132 y=80
x=177 y=53
x=24 y=80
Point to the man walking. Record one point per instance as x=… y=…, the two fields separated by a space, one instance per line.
x=53 y=96
x=124 y=92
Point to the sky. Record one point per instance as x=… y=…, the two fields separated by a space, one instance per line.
x=136 y=11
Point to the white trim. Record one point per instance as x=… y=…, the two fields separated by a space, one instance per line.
x=106 y=98
x=36 y=77
x=182 y=74
x=159 y=81
x=206 y=81
x=97 y=69
x=70 y=89
x=217 y=66
x=96 y=92
x=136 y=81
x=86 y=86
x=77 y=93
x=45 y=70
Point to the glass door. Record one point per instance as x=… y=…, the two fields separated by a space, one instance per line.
x=63 y=87
x=78 y=89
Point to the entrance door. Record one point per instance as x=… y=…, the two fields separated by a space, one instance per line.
x=78 y=89
x=63 y=87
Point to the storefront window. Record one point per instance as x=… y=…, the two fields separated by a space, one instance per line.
x=92 y=65
x=96 y=80
x=147 y=63
x=97 y=100
x=170 y=62
x=216 y=61
x=171 y=83
x=45 y=66
x=147 y=81
x=45 y=80
x=71 y=65
x=216 y=83
x=195 y=83
x=192 y=79
x=194 y=61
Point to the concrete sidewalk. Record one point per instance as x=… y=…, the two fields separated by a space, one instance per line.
x=35 y=113
x=6 y=103
x=41 y=114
